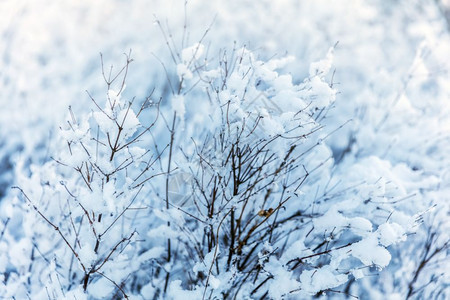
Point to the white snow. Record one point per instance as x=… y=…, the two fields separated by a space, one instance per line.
x=192 y=53
x=372 y=181
x=183 y=72
x=323 y=66
x=178 y=106
x=87 y=255
x=321 y=279
x=101 y=288
x=369 y=252
x=391 y=233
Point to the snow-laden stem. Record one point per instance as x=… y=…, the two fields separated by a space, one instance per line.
x=169 y=251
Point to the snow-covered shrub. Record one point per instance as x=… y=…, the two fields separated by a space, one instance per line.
x=413 y=135
x=82 y=203
x=374 y=175
x=228 y=192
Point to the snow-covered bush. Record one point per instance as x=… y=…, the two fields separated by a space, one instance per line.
x=247 y=178
x=278 y=221
x=85 y=193
x=228 y=192
x=413 y=135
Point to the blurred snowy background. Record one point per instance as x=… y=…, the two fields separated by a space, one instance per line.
x=392 y=73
